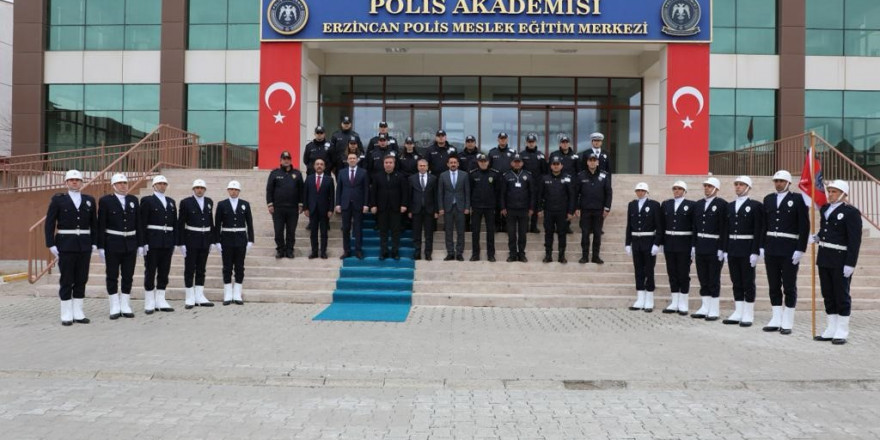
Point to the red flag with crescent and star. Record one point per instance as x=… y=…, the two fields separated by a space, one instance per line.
x=280 y=101
x=687 y=108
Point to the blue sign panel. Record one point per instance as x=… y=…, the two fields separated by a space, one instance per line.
x=487 y=20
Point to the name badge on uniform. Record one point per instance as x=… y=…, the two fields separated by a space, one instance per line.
x=518 y=185
x=575 y=156
x=326 y=145
x=566 y=180
x=490 y=179
x=840 y=216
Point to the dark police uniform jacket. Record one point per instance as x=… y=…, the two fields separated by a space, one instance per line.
x=790 y=218
x=391 y=143
x=499 y=159
x=68 y=218
x=647 y=219
x=749 y=220
x=556 y=193
x=437 y=157
x=468 y=160
x=710 y=226
x=318 y=150
x=571 y=163
x=534 y=162
x=339 y=140
x=191 y=215
x=408 y=163
x=842 y=229
x=593 y=190
x=485 y=189
x=153 y=212
x=226 y=218
x=680 y=221
x=376 y=160
x=114 y=217
x=604 y=161
x=518 y=190
x=284 y=188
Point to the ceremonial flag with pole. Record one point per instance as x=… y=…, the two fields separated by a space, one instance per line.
x=812 y=189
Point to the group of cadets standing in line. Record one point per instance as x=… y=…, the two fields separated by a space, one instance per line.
x=711 y=232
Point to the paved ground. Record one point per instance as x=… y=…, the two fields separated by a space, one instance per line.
x=268 y=371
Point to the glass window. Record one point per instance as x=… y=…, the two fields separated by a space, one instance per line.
x=548 y=91
x=224 y=25
x=67 y=12
x=721 y=133
x=823 y=103
x=733 y=110
x=461 y=89
x=335 y=89
x=143 y=37
x=243 y=37
x=723 y=40
x=824 y=42
x=756 y=13
x=143 y=11
x=459 y=122
x=592 y=91
x=219 y=112
x=244 y=11
x=862 y=14
x=105 y=37
x=365 y=121
x=206 y=97
x=829 y=128
x=723 y=101
x=210 y=126
x=66 y=37
x=409 y=89
x=141 y=122
x=105 y=11
x=242 y=97
x=367 y=89
x=626 y=91
x=140 y=97
x=858 y=104
x=494 y=120
x=755 y=102
x=207 y=37
x=862 y=43
x=724 y=13
x=756 y=41
x=101 y=25
x=207 y=11
x=67 y=97
x=744 y=26
x=825 y=14
x=103 y=97
x=499 y=89
x=625 y=140
x=241 y=128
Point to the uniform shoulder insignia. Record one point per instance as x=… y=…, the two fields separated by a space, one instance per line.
x=540 y=156
x=574 y=156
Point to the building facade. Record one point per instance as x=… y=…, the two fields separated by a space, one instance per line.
x=107 y=71
x=6 y=77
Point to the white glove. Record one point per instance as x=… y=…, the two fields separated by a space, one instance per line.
x=54 y=250
x=141 y=251
x=762 y=253
x=753 y=259
x=725 y=257
x=654 y=250
x=94 y=248
x=693 y=252
x=660 y=251
x=102 y=255
x=796 y=257
x=146 y=249
x=182 y=250
x=813 y=239
x=721 y=255
x=848 y=271
x=249 y=246
x=219 y=247
x=629 y=251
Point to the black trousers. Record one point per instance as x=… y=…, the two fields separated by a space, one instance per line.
x=644 y=263
x=318 y=223
x=533 y=221
x=742 y=276
x=678 y=267
x=500 y=221
x=555 y=223
x=194 y=267
x=352 y=220
x=709 y=274
x=233 y=259
x=285 y=220
x=835 y=290
x=591 y=224
x=116 y=261
x=389 y=223
x=157 y=265
x=74 y=268
x=453 y=221
x=478 y=216
x=782 y=276
x=423 y=223
x=517 y=228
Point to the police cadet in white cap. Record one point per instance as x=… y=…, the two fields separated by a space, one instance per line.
x=745 y=227
x=195 y=238
x=839 y=239
x=710 y=227
x=119 y=237
x=235 y=226
x=159 y=226
x=678 y=232
x=644 y=229
x=71 y=232
x=596 y=140
x=787 y=226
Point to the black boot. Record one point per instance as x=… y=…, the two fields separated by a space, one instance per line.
x=548 y=258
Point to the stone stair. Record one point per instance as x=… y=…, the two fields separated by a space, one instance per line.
x=499 y=284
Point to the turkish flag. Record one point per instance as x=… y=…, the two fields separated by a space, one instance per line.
x=280 y=100
x=811 y=180
x=687 y=108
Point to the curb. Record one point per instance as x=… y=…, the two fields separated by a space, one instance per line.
x=13 y=277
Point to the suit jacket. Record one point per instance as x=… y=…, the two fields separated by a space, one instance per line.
x=153 y=212
x=647 y=219
x=114 y=216
x=791 y=217
x=191 y=215
x=319 y=201
x=419 y=200
x=241 y=217
x=710 y=221
x=461 y=193
x=63 y=214
x=388 y=192
x=352 y=194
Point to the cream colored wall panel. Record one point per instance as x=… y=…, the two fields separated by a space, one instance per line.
x=722 y=71
x=825 y=73
x=205 y=66
x=862 y=73
x=757 y=71
x=141 y=66
x=100 y=67
x=63 y=67
x=651 y=124
x=243 y=66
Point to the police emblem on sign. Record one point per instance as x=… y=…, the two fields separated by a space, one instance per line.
x=287 y=17
x=680 y=17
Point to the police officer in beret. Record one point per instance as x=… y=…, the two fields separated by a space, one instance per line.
x=390 y=141
x=710 y=229
x=71 y=231
x=745 y=227
x=556 y=195
x=284 y=200
x=318 y=148
x=195 y=239
x=235 y=228
x=159 y=223
x=340 y=138
x=839 y=240
x=678 y=238
x=119 y=240
x=534 y=161
x=644 y=229
x=596 y=140
x=518 y=190
x=593 y=205
x=485 y=198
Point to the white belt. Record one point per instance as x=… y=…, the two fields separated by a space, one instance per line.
x=742 y=237
x=197 y=229
x=713 y=236
x=161 y=228
x=121 y=233
x=681 y=233
x=836 y=247
x=782 y=235
x=74 y=232
x=233 y=229
x=644 y=234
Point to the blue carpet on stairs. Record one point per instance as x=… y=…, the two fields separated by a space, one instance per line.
x=372 y=289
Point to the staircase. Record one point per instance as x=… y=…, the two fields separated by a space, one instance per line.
x=500 y=284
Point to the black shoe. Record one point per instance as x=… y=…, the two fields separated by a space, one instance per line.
x=188 y=306
x=449 y=257
x=569 y=231
x=279 y=253
x=344 y=255
x=785 y=331
x=711 y=318
x=416 y=257
x=698 y=316
x=359 y=255
x=115 y=316
x=149 y=312
x=459 y=257
x=382 y=257
x=428 y=257
x=475 y=257
x=597 y=260
x=395 y=256
x=226 y=303
x=668 y=311
x=313 y=255
x=238 y=302
x=821 y=339
x=522 y=258
x=512 y=258
x=682 y=313
x=207 y=304
x=85 y=320
x=584 y=260
x=491 y=258
x=289 y=254
x=745 y=324
x=770 y=329
x=730 y=322
x=535 y=230
x=562 y=259
x=128 y=315
x=548 y=258
x=323 y=255
x=838 y=341
x=67 y=323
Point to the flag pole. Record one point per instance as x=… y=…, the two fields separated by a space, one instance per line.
x=813 y=228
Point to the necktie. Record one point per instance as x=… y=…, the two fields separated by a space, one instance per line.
x=423 y=182
x=454 y=175
x=318 y=185
x=351 y=178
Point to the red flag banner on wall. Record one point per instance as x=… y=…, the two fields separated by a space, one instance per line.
x=687 y=109
x=811 y=179
x=280 y=101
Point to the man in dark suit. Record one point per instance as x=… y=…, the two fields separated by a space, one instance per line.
x=73 y=214
x=318 y=203
x=352 y=201
x=454 y=197
x=118 y=242
x=422 y=206
x=195 y=238
x=388 y=203
x=159 y=226
x=235 y=228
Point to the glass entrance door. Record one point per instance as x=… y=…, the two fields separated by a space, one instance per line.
x=548 y=124
x=419 y=122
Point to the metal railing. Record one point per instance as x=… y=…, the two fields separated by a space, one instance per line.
x=164 y=147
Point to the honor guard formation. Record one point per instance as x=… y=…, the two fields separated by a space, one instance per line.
x=504 y=190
